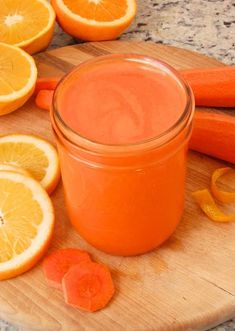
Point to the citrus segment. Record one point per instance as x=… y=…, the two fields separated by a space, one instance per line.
x=95 y=20
x=26 y=223
x=35 y=155
x=18 y=75
x=28 y=24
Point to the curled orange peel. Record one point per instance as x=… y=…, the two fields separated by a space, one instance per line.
x=226 y=197
x=208 y=205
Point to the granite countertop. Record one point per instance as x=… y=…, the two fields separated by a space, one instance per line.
x=207 y=26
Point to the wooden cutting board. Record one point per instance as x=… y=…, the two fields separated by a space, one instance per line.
x=187 y=284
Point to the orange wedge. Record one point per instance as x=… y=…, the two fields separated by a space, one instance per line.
x=18 y=75
x=26 y=223
x=95 y=20
x=33 y=154
x=28 y=24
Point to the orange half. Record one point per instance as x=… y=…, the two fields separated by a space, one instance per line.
x=95 y=20
x=28 y=24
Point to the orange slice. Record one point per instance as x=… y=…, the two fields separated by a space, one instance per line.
x=33 y=154
x=95 y=20
x=28 y=24
x=226 y=197
x=18 y=75
x=26 y=223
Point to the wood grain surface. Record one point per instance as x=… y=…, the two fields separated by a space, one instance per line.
x=186 y=284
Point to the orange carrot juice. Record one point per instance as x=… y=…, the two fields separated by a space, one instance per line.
x=122 y=124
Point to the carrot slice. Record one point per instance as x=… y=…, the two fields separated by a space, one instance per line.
x=208 y=205
x=226 y=197
x=44 y=99
x=57 y=264
x=88 y=286
x=212 y=87
x=214 y=134
x=46 y=83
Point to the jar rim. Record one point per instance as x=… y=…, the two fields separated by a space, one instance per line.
x=80 y=141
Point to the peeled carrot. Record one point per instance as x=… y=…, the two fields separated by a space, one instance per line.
x=57 y=264
x=88 y=286
x=213 y=87
x=46 y=83
x=44 y=99
x=214 y=134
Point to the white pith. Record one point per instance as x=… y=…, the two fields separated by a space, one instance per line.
x=13 y=19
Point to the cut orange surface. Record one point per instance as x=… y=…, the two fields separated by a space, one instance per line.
x=35 y=155
x=18 y=75
x=95 y=20
x=28 y=24
x=26 y=223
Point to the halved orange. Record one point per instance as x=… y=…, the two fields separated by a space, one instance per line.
x=28 y=24
x=26 y=223
x=95 y=20
x=18 y=75
x=35 y=155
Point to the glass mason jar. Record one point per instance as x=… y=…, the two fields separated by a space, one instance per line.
x=125 y=199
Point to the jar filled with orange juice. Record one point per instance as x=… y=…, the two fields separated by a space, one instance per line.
x=122 y=124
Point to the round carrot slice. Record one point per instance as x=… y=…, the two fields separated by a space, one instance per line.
x=88 y=286
x=57 y=264
x=44 y=99
x=222 y=196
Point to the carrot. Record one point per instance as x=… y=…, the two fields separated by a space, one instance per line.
x=44 y=99
x=57 y=264
x=212 y=86
x=214 y=134
x=88 y=286
x=46 y=83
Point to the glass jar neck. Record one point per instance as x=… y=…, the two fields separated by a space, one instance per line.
x=80 y=143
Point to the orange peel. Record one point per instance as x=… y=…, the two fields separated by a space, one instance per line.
x=223 y=196
x=210 y=208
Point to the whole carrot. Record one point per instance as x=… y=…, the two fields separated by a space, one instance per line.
x=214 y=134
x=212 y=87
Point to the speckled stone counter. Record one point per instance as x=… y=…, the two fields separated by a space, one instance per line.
x=206 y=26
